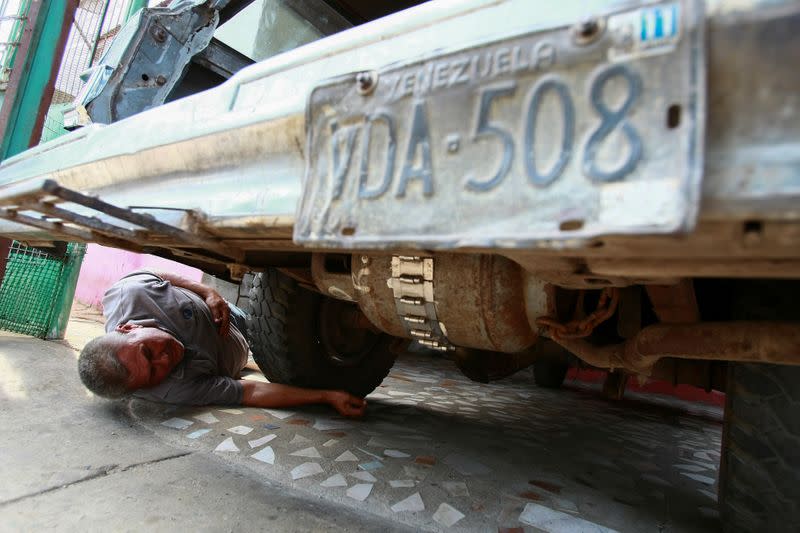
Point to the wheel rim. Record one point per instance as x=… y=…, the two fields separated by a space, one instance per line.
x=346 y=335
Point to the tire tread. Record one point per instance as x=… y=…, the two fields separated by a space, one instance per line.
x=760 y=467
x=282 y=329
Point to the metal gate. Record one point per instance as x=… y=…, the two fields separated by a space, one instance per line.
x=39 y=284
x=95 y=25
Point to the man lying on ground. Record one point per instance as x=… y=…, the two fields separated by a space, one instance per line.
x=170 y=339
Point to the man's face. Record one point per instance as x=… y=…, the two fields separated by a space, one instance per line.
x=148 y=353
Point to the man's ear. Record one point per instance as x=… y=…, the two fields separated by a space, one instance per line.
x=126 y=328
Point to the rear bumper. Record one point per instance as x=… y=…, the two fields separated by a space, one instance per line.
x=228 y=163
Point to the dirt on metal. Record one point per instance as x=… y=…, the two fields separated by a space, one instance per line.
x=744 y=341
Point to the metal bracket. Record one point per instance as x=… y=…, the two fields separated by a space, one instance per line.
x=412 y=284
x=76 y=226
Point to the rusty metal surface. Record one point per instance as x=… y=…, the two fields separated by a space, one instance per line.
x=744 y=341
x=144 y=68
x=168 y=240
x=708 y=375
x=676 y=304
x=582 y=326
x=145 y=221
x=415 y=299
x=614 y=385
x=370 y=274
x=485 y=366
x=753 y=113
x=334 y=284
x=629 y=312
x=654 y=268
x=479 y=300
x=62 y=232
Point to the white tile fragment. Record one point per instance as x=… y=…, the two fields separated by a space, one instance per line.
x=378 y=396
x=208 y=418
x=710 y=494
x=330 y=443
x=707 y=466
x=703 y=456
x=456 y=489
x=306 y=470
x=197 y=434
x=564 y=505
x=279 y=413
x=551 y=520
x=401 y=483
x=267 y=455
x=360 y=492
x=395 y=453
x=372 y=465
x=363 y=475
x=447 y=515
x=346 y=456
x=376 y=441
x=263 y=440
x=227 y=446
x=336 y=480
x=307 y=452
x=231 y=411
x=411 y=504
x=690 y=468
x=370 y=454
x=177 y=423
x=240 y=430
x=323 y=424
x=299 y=439
x=697 y=477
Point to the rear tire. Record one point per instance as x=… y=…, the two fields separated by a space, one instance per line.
x=297 y=339
x=760 y=467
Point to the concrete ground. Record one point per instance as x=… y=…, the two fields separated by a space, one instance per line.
x=435 y=452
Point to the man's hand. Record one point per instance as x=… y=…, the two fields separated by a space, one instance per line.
x=258 y=394
x=346 y=403
x=219 y=311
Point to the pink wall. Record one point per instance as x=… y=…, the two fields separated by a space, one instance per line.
x=103 y=266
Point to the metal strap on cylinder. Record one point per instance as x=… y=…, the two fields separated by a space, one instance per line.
x=412 y=283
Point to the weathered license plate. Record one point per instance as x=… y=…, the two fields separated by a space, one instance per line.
x=542 y=139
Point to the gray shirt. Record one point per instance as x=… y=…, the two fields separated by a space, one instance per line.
x=210 y=364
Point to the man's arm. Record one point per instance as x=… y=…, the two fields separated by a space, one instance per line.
x=259 y=394
x=219 y=308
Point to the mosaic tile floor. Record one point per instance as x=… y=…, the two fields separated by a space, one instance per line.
x=439 y=452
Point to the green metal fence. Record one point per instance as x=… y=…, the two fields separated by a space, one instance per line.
x=95 y=26
x=12 y=21
x=36 y=286
x=39 y=285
